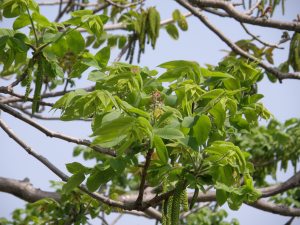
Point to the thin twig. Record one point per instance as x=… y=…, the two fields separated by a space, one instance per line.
x=124 y=6
x=33 y=27
x=194 y=210
x=30 y=151
x=117 y=219
x=251 y=10
x=259 y=40
x=56 y=134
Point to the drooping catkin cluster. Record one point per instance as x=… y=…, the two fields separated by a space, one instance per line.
x=171 y=206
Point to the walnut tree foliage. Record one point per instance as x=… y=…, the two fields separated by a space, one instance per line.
x=177 y=134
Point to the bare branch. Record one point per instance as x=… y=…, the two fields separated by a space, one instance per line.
x=275 y=71
x=276 y=209
x=55 y=134
x=24 y=190
x=291 y=183
x=243 y=17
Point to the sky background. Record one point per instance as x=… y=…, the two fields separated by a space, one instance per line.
x=197 y=44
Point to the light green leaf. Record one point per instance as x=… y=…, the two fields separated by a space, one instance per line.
x=22 y=21
x=161 y=149
x=201 y=129
x=172 y=31
x=168 y=133
x=41 y=20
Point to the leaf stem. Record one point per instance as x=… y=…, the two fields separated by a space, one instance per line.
x=33 y=27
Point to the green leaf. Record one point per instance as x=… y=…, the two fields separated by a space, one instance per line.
x=81 y=13
x=168 y=133
x=188 y=121
x=161 y=149
x=22 y=21
x=103 y=56
x=172 y=31
x=75 y=167
x=208 y=73
x=201 y=129
x=99 y=177
x=96 y=75
x=75 y=41
x=219 y=114
x=73 y=182
x=221 y=196
x=113 y=129
x=118 y=164
x=41 y=20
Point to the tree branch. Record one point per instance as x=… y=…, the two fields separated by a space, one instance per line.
x=276 y=209
x=275 y=71
x=243 y=17
x=55 y=134
x=59 y=173
x=139 y=199
x=24 y=190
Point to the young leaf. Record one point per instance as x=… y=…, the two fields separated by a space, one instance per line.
x=73 y=182
x=172 y=31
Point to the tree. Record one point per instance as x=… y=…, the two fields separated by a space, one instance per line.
x=170 y=145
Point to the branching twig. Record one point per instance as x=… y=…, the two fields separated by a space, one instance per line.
x=55 y=134
x=58 y=172
x=275 y=71
x=244 y=18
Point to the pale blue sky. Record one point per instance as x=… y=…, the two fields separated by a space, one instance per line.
x=197 y=44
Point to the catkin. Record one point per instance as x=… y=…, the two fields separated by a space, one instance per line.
x=184 y=200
